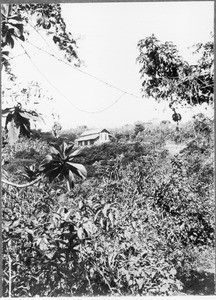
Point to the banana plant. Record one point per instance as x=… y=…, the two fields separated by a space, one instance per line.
x=18 y=122
x=60 y=164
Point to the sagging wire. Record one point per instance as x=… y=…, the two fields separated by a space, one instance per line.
x=66 y=98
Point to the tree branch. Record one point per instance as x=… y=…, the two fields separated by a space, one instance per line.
x=21 y=185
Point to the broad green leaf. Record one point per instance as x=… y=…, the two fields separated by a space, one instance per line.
x=57 y=150
x=75 y=153
x=50 y=166
x=7 y=110
x=22 y=38
x=6 y=9
x=68 y=150
x=25 y=115
x=52 y=174
x=13 y=132
x=49 y=169
x=54 y=150
x=17 y=25
x=78 y=169
x=28 y=115
x=62 y=148
x=15 y=17
x=18 y=29
x=47 y=159
x=9 y=40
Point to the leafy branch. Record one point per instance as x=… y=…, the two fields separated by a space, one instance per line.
x=16 y=17
x=167 y=76
x=21 y=185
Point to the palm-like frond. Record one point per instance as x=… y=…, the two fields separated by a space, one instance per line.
x=59 y=163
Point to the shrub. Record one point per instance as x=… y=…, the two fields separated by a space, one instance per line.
x=134 y=227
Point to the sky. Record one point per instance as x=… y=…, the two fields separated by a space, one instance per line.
x=107 y=35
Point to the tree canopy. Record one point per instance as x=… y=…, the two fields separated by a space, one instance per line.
x=18 y=18
x=18 y=22
x=167 y=76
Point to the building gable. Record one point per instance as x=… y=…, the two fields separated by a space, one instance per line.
x=91 y=137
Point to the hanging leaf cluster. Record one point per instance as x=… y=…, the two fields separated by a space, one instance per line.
x=18 y=122
x=166 y=76
x=60 y=164
x=48 y=17
x=15 y=20
x=12 y=26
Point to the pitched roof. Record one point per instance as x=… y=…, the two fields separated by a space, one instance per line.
x=93 y=131
x=88 y=137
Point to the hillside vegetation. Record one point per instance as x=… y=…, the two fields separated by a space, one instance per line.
x=142 y=223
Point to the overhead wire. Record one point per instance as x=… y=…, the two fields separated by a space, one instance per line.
x=38 y=32
x=97 y=78
x=169 y=77
x=66 y=98
x=76 y=68
x=86 y=73
x=10 y=58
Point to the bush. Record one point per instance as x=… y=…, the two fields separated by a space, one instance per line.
x=139 y=225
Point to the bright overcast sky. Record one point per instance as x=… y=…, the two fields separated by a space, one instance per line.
x=108 y=35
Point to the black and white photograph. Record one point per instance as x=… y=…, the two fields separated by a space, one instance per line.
x=107 y=148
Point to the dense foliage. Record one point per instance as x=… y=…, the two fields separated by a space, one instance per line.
x=142 y=223
x=18 y=23
x=167 y=76
x=18 y=19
